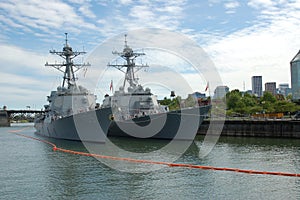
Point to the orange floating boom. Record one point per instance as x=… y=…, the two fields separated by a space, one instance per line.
x=55 y=148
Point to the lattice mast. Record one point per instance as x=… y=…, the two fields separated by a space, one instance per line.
x=130 y=67
x=68 y=67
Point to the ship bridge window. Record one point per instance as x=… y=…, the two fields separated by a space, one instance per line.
x=84 y=101
x=144 y=105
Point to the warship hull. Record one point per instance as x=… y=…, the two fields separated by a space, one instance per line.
x=91 y=126
x=179 y=125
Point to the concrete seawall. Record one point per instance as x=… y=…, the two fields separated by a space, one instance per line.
x=256 y=128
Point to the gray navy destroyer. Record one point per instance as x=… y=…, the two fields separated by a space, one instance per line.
x=72 y=112
x=137 y=113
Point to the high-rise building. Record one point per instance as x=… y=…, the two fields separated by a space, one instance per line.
x=295 y=76
x=270 y=87
x=257 y=85
x=220 y=91
x=283 y=89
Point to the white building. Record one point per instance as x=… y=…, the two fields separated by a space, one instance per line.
x=220 y=92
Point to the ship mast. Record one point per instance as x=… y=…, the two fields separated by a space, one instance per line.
x=130 y=67
x=68 y=67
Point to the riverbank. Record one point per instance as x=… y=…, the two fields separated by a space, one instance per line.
x=277 y=128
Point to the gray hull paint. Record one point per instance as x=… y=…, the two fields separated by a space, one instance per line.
x=89 y=126
x=172 y=128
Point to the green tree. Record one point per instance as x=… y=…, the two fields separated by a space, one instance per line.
x=241 y=107
x=232 y=99
x=289 y=97
x=190 y=101
x=255 y=109
x=250 y=100
x=268 y=101
x=238 y=103
x=286 y=106
x=268 y=97
x=173 y=104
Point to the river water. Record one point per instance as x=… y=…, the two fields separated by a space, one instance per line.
x=30 y=169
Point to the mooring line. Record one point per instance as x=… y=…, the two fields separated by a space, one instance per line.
x=192 y=166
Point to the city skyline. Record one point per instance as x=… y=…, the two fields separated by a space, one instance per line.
x=242 y=39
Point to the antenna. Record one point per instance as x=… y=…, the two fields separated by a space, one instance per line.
x=125 y=40
x=66 y=39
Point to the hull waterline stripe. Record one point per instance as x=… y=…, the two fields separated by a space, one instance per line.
x=191 y=166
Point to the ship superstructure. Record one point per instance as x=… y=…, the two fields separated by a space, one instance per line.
x=137 y=113
x=71 y=106
x=132 y=100
x=69 y=98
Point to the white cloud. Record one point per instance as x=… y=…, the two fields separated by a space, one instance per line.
x=231 y=5
x=85 y=10
x=44 y=19
x=18 y=61
x=31 y=15
x=213 y=2
x=79 y=1
x=24 y=79
x=50 y=17
x=18 y=90
x=265 y=48
x=13 y=57
x=170 y=9
x=258 y=4
x=125 y=2
x=10 y=23
x=141 y=12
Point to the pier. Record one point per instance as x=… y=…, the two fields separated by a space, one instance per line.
x=7 y=115
x=275 y=128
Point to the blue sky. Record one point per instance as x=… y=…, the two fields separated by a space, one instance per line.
x=243 y=38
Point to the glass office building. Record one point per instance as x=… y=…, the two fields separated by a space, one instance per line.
x=295 y=76
x=257 y=85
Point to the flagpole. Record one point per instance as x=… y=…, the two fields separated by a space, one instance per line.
x=209 y=91
x=111 y=87
x=207 y=88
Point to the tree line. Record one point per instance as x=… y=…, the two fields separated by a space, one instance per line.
x=248 y=104
x=243 y=104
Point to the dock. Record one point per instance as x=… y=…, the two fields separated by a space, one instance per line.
x=7 y=115
x=274 y=128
